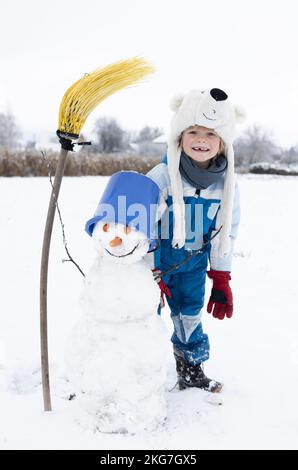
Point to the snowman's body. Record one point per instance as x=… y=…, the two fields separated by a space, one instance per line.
x=117 y=351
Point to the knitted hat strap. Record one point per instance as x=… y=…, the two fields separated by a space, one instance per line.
x=177 y=194
x=226 y=210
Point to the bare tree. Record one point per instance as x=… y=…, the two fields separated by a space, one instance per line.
x=110 y=136
x=9 y=131
x=256 y=145
x=290 y=155
x=148 y=134
x=30 y=144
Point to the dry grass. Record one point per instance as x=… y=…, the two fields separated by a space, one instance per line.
x=31 y=163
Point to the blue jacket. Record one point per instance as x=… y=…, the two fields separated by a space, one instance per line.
x=201 y=217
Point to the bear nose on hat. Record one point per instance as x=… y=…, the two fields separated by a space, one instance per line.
x=218 y=94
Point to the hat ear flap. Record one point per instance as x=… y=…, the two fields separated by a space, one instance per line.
x=240 y=114
x=176 y=102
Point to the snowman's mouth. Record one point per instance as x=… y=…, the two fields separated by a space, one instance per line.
x=123 y=256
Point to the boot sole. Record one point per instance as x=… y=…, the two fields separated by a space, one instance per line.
x=215 y=389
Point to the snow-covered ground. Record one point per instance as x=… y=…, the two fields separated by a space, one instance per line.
x=255 y=353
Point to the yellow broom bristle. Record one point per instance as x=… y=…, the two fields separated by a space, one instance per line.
x=85 y=94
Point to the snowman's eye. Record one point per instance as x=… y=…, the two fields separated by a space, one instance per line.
x=127 y=229
x=105 y=227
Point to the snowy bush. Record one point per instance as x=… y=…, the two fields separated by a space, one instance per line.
x=273 y=169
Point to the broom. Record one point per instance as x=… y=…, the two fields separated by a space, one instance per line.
x=76 y=105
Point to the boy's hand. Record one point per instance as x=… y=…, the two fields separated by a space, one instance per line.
x=221 y=300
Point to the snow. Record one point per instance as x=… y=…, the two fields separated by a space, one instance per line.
x=255 y=353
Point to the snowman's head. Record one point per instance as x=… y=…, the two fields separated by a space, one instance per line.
x=120 y=243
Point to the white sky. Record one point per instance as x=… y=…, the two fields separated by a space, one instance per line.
x=248 y=48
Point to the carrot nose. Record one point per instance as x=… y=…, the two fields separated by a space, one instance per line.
x=116 y=241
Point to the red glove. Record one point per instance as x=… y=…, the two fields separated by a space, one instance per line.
x=221 y=300
x=163 y=287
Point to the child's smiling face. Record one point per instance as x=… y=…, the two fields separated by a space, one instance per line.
x=201 y=144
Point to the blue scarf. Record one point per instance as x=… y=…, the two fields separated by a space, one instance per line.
x=201 y=178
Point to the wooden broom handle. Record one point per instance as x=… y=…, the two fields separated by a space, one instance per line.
x=44 y=280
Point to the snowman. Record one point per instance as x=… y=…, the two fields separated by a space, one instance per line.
x=116 y=352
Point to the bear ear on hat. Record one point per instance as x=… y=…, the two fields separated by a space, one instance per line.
x=176 y=102
x=240 y=114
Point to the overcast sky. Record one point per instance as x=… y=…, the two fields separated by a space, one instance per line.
x=248 y=48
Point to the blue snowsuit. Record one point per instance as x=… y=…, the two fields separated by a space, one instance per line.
x=187 y=283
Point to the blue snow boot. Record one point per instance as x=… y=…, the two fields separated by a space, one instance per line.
x=193 y=376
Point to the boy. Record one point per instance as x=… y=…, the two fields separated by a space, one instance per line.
x=196 y=180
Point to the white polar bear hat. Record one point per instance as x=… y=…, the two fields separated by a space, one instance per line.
x=211 y=109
